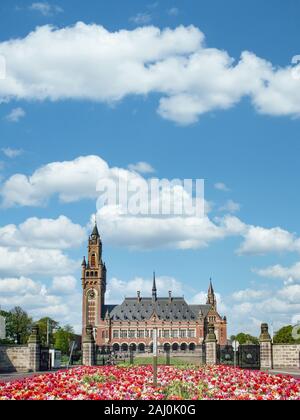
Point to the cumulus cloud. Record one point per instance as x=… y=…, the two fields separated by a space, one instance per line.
x=21 y=285
x=169 y=232
x=89 y=62
x=280 y=272
x=58 y=233
x=141 y=167
x=11 y=153
x=278 y=307
x=64 y=284
x=221 y=187
x=249 y=294
x=231 y=207
x=58 y=302
x=141 y=18
x=118 y=289
x=15 y=115
x=71 y=181
x=259 y=240
x=45 y=8
x=26 y=261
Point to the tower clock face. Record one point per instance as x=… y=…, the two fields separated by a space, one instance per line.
x=91 y=295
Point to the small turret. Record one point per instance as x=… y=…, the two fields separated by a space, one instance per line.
x=211 y=297
x=83 y=263
x=154 y=289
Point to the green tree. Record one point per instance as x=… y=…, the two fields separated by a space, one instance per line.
x=47 y=326
x=284 y=336
x=243 y=338
x=18 y=325
x=63 y=338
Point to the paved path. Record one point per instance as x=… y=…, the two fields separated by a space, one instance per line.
x=8 y=377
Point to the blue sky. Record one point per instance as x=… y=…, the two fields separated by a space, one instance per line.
x=250 y=144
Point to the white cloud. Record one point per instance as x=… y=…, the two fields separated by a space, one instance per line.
x=12 y=153
x=72 y=181
x=58 y=233
x=170 y=232
x=280 y=272
x=261 y=241
x=141 y=18
x=45 y=8
x=141 y=167
x=58 y=302
x=174 y=11
x=231 y=207
x=15 y=115
x=221 y=187
x=26 y=261
x=118 y=289
x=104 y=66
x=13 y=286
x=64 y=284
x=249 y=294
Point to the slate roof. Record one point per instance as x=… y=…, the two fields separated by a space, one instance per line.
x=175 y=310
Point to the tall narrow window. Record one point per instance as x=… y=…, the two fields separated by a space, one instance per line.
x=93 y=260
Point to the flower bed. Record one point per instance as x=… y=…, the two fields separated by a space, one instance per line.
x=116 y=383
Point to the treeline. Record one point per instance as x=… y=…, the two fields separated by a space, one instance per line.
x=18 y=329
x=283 y=336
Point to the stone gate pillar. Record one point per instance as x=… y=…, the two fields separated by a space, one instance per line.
x=265 y=341
x=88 y=348
x=211 y=346
x=34 y=348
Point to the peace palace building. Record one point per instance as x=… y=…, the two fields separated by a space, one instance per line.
x=181 y=327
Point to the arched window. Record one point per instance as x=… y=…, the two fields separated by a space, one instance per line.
x=124 y=347
x=88 y=274
x=93 y=260
x=133 y=347
x=192 y=347
x=175 y=347
x=183 y=347
x=141 y=348
x=116 y=348
x=167 y=347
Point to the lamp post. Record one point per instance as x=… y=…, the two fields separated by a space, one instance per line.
x=155 y=353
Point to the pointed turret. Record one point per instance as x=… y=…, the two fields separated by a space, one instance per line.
x=83 y=262
x=211 y=297
x=154 y=289
x=95 y=233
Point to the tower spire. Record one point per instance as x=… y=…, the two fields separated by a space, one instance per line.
x=154 y=289
x=95 y=232
x=211 y=297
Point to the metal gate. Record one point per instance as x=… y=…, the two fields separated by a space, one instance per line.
x=247 y=356
x=44 y=359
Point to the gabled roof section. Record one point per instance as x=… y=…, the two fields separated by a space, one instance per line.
x=166 y=309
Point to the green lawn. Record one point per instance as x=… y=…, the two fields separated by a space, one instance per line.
x=143 y=361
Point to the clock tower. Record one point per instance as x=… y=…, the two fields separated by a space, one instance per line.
x=93 y=284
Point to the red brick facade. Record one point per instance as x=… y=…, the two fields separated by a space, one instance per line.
x=180 y=326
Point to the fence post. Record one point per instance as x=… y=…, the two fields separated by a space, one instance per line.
x=88 y=348
x=265 y=342
x=34 y=346
x=168 y=357
x=211 y=346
